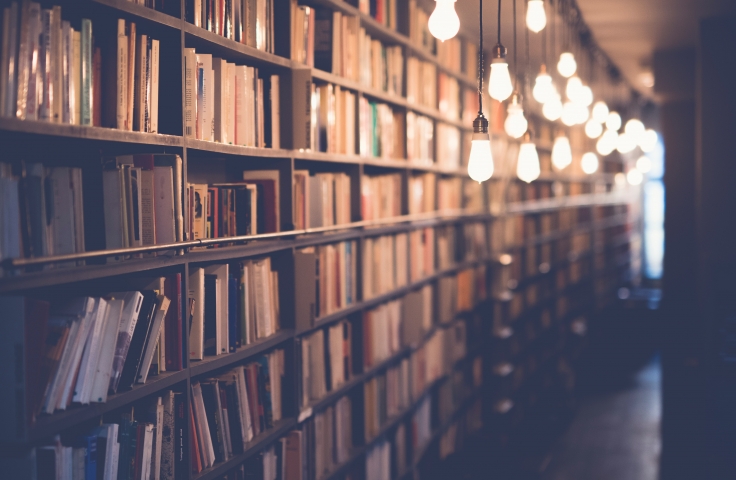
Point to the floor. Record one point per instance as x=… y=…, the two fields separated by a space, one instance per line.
x=614 y=435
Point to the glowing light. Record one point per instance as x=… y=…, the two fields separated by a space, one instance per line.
x=648 y=141
x=607 y=142
x=515 y=124
x=589 y=162
x=480 y=163
x=569 y=114
x=543 y=88
x=527 y=167
x=600 y=112
x=626 y=143
x=644 y=164
x=499 y=85
x=536 y=18
x=593 y=129
x=561 y=152
x=552 y=110
x=567 y=65
x=444 y=23
x=613 y=122
x=634 y=177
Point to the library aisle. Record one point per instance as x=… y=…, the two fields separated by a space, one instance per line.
x=615 y=433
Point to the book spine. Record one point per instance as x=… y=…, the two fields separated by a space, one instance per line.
x=155 y=50
x=86 y=81
x=121 y=77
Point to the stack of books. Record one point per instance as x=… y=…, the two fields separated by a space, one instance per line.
x=421 y=82
x=321 y=199
x=448 y=146
x=419 y=139
x=381 y=66
x=448 y=90
x=385 y=264
x=383 y=11
x=381 y=130
x=334 y=117
x=380 y=196
x=326 y=361
x=422 y=190
x=249 y=22
x=328 y=439
x=422 y=251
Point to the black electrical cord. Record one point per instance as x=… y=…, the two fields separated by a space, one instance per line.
x=480 y=60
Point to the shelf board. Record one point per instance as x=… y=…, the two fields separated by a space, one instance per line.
x=87 y=132
x=49 y=425
x=140 y=12
x=204 y=146
x=251 y=448
x=198 y=37
x=63 y=275
x=211 y=363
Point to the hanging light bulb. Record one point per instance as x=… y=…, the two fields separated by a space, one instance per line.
x=515 y=124
x=619 y=179
x=574 y=84
x=589 y=162
x=561 y=152
x=635 y=128
x=600 y=112
x=567 y=65
x=585 y=96
x=581 y=113
x=552 y=110
x=613 y=122
x=593 y=129
x=625 y=143
x=606 y=144
x=543 y=88
x=536 y=18
x=444 y=23
x=634 y=177
x=499 y=85
x=569 y=115
x=648 y=141
x=643 y=164
x=480 y=162
x=527 y=166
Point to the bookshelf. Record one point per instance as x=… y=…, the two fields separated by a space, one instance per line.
x=609 y=222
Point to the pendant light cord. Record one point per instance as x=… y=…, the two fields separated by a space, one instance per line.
x=544 y=41
x=516 y=63
x=480 y=60
x=499 y=22
x=525 y=74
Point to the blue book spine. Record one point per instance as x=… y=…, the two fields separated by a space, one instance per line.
x=90 y=461
x=86 y=48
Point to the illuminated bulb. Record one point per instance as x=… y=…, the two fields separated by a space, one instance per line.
x=606 y=144
x=600 y=112
x=515 y=124
x=499 y=86
x=527 y=167
x=480 y=163
x=581 y=113
x=561 y=152
x=543 y=89
x=634 y=177
x=644 y=164
x=613 y=122
x=574 y=84
x=585 y=96
x=625 y=143
x=593 y=129
x=589 y=162
x=635 y=128
x=567 y=65
x=619 y=179
x=552 y=110
x=536 y=18
x=444 y=23
x=569 y=115
x=648 y=141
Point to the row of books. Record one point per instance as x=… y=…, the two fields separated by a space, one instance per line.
x=230 y=410
x=326 y=361
x=453 y=439
x=132 y=81
x=247 y=207
x=385 y=396
x=327 y=440
x=449 y=54
x=422 y=192
x=378 y=461
x=448 y=146
x=149 y=444
x=382 y=66
x=42 y=211
x=83 y=349
x=385 y=264
x=333 y=119
x=380 y=196
x=336 y=43
x=448 y=95
x=419 y=139
x=142 y=198
x=321 y=199
x=383 y=11
x=232 y=306
x=334 y=270
x=229 y=103
x=458 y=243
x=421 y=82
x=250 y=22
x=381 y=132
x=419 y=33
x=55 y=73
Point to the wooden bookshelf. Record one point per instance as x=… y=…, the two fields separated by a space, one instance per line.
x=96 y=269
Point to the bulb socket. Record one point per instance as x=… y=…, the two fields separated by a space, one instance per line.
x=527 y=138
x=480 y=124
x=516 y=98
x=543 y=69
x=498 y=54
